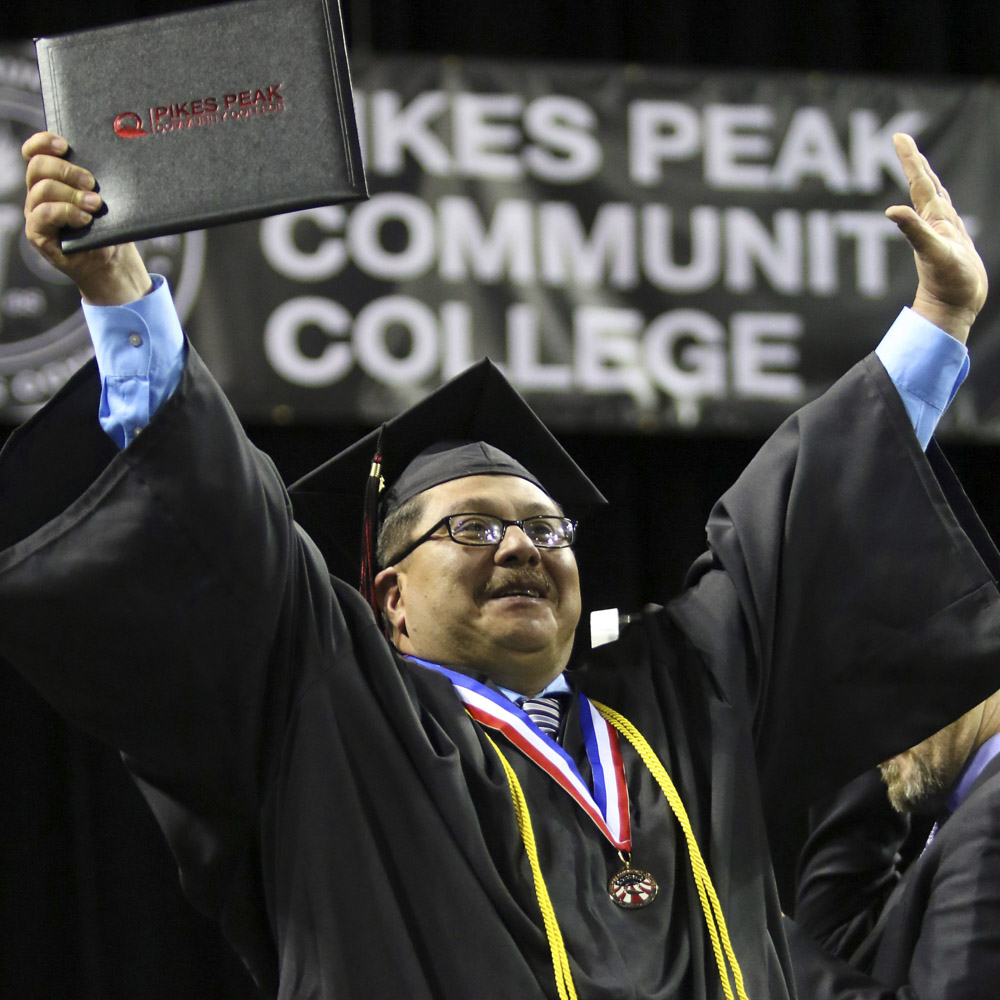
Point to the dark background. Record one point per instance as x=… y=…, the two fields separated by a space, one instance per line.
x=918 y=37
x=89 y=901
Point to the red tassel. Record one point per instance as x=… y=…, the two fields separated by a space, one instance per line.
x=369 y=526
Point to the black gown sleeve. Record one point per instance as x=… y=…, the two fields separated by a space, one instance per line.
x=157 y=597
x=846 y=574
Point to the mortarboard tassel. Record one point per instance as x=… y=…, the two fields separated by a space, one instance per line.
x=369 y=526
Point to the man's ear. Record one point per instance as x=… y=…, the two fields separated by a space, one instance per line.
x=389 y=598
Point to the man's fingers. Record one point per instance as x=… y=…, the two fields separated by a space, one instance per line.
x=921 y=236
x=42 y=167
x=909 y=155
x=44 y=142
x=47 y=219
x=63 y=195
x=940 y=191
x=52 y=190
x=924 y=185
x=929 y=196
x=926 y=191
x=952 y=282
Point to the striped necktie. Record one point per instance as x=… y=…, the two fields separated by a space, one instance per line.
x=544 y=712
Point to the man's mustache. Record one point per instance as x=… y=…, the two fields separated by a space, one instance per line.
x=520 y=580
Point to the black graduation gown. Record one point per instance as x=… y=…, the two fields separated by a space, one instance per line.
x=338 y=812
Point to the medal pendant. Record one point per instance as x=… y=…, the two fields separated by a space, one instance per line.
x=631 y=889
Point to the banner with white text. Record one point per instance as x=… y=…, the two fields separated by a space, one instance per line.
x=639 y=248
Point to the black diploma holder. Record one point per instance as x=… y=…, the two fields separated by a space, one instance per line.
x=209 y=116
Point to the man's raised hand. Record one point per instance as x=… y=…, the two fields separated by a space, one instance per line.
x=61 y=194
x=951 y=277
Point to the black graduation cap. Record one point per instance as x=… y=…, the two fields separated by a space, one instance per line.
x=455 y=431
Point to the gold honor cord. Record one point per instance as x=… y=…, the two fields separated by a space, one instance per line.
x=710 y=905
x=560 y=960
x=706 y=891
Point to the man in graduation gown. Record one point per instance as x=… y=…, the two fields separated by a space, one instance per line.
x=331 y=802
x=934 y=929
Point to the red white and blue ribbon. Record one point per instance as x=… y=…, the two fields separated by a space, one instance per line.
x=607 y=804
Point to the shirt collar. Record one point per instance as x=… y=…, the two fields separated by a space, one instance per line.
x=559 y=686
x=973 y=768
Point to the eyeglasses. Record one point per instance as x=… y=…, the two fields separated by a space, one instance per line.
x=544 y=531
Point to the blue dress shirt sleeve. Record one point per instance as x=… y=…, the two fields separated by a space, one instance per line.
x=140 y=349
x=926 y=365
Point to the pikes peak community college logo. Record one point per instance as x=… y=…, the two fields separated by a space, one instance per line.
x=129 y=125
x=197 y=112
x=43 y=337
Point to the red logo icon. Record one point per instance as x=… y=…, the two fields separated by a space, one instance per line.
x=129 y=125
